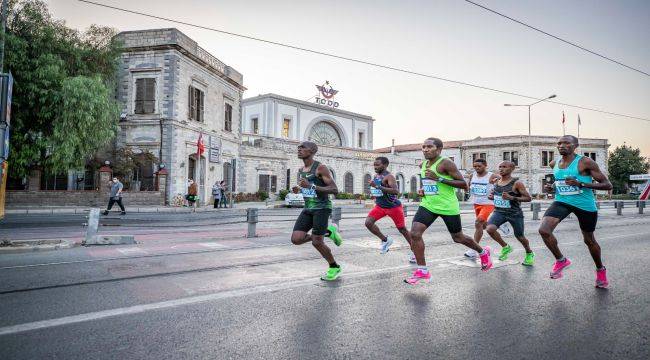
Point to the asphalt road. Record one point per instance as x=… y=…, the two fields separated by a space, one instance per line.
x=226 y=297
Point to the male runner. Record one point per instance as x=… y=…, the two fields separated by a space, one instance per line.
x=384 y=189
x=480 y=186
x=316 y=184
x=574 y=175
x=440 y=178
x=507 y=194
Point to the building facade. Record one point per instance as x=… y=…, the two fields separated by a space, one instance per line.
x=172 y=91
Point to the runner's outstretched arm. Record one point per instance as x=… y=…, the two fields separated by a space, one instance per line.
x=330 y=186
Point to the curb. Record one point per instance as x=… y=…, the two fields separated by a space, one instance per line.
x=63 y=244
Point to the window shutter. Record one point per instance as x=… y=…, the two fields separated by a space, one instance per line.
x=200 y=105
x=274 y=183
x=139 y=96
x=149 y=95
x=191 y=102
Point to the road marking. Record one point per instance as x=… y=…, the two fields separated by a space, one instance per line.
x=212 y=245
x=137 y=309
x=132 y=251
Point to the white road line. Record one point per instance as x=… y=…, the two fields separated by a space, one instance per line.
x=137 y=309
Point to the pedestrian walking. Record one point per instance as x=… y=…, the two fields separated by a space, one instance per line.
x=192 y=193
x=115 y=195
x=224 y=193
x=217 y=193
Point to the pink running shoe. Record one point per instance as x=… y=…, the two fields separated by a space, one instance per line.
x=417 y=276
x=601 y=279
x=486 y=260
x=556 y=273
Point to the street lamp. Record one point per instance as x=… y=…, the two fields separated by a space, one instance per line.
x=530 y=150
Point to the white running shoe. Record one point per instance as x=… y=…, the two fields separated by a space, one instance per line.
x=505 y=229
x=472 y=254
x=412 y=259
x=385 y=245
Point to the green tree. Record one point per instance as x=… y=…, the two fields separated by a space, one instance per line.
x=623 y=162
x=64 y=109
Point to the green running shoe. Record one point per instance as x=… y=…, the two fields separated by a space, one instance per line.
x=334 y=235
x=331 y=274
x=504 y=252
x=529 y=260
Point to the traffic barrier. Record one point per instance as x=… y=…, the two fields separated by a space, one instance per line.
x=336 y=215
x=619 y=207
x=536 y=208
x=640 y=205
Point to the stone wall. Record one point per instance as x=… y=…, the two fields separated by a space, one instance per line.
x=17 y=199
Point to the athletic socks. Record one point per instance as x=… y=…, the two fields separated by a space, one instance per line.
x=561 y=259
x=328 y=233
x=334 y=265
x=482 y=252
x=424 y=269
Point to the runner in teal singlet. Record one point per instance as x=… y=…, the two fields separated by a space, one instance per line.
x=574 y=176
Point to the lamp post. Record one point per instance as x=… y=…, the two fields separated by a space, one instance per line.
x=530 y=150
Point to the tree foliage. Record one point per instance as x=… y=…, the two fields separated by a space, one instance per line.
x=623 y=162
x=63 y=106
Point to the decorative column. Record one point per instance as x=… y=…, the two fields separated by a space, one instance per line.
x=161 y=184
x=105 y=174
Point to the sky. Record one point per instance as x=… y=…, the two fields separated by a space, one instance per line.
x=446 y=38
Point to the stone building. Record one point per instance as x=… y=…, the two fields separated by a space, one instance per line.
x=274 y=125
x=172 y=91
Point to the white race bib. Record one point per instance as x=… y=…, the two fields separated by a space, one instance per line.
x=308 y=192
x=374 y=192
x=500 y=203
x=564 y=189
x=479 y=189
x=430 y=187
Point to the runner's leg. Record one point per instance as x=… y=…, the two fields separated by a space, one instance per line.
x=374 y=229
x=546 y=232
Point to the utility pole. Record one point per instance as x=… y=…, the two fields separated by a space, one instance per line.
x=5 y=5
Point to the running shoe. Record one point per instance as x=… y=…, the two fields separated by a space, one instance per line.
x=601 y=279
x=529 y=260
x=385 y=245
x=486 y=261
x=472 y=254
x=418 y=276
x=412 y=258
x=503 y=256
x=331 y=274
x=556 y=273
x=335 y=235
x=505 y=229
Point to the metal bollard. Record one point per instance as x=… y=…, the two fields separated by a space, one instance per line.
x=251 y=218
x=641 y=205
x=537 y=207
x=406 y=213
x=336 y=215
x=619 y=208
x=93 y=225
x=598 y=205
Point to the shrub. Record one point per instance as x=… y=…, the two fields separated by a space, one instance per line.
x=262 y=195
x=283 y=194
x=343 y=196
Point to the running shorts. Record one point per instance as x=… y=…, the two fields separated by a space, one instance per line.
x=314 y=220
x=586 y=219
x=396 y=214
x=517 y=221
x=426 y=217
x=483 y=211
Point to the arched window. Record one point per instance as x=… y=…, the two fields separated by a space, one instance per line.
x=364 y=184
x=414 y=184
x=400 y=182
x=324 y=133
x=349 y=183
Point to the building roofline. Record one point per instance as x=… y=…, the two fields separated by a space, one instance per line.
x=305 y=104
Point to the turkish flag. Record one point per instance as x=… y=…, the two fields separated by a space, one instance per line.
x=199 y=145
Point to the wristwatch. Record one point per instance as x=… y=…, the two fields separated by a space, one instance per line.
x=313 y=187
x=581 y=184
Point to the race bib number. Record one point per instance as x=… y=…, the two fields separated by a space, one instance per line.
x=374 y=192
x=479 y=189
x=430 y=187
x=564 y=189
x=308 y=192
x=500 y=203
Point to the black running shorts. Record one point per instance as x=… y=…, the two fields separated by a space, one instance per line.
x=314 y=220
x=426 y=217
x=586 y=219
x=517 y=221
